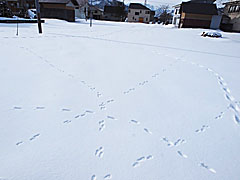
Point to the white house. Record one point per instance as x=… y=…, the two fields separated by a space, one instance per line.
x=138 y=13
x=176 y=15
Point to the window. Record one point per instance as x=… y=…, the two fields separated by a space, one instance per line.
x=146 y=19
x=140 y=12
x=233 y=9
x=237 y=9
x=133 y=17
x=129 y=10
x=136 y=13
x=147 y=12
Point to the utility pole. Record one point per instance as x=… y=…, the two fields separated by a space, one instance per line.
x=38 y=16
x=91 y=15
x=17 y=26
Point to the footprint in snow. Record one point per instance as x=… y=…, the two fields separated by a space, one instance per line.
x=236 y=119
x=134 y=121
x=99 y=152
x=94 y=177
x=102 y=125
x=40 y=107
x=67 y=121
x=141 y=159
x=206 y=167
x=181 y=154
x=64 y=109
x=108 y=176
x=19 y=143
x=17 y=107
x=220 y=115
x=147 y=131
x=111 y=117
x=34 y=137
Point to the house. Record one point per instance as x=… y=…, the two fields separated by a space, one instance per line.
x=138 y=13
x=59 y=9
x=197 y=14
x=231 y=19
x=176 y=15
x=19 y=7
x=115 y=12
x=84 y=12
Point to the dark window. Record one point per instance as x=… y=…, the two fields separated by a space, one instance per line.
x=133 y=17
x=129 y=10
x=140 y=12
x=136 y=13
x=147 y=12
x=146 y=19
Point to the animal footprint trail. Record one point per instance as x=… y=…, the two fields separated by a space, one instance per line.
x=220 y=115
x=99 y=94
x=155 y=75
x=99 y=152
x=108 y=176
x=34 y=137
x=141 y=159
x=179 y=142
x=128 y=91
x=104 y=104
x=102 y=125
x=17 y=107
x=142 y=83
x=171 y=143
x=64 y=109
x=181 y=154
x=202 y=129
x=67 y=121
x=206 y=167
x=19 y=143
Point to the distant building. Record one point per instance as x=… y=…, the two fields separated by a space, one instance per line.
x=176 y=15
x=197 y=14
x=139 y=13
x=59 y=9
x=231 y=18
x=114 y=12
x=19 y=7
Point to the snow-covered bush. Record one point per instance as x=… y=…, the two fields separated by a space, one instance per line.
x=211 y=34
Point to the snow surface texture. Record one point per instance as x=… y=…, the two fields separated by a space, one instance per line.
x=118 y=101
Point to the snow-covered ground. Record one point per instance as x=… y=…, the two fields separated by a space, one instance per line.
x=119 y=101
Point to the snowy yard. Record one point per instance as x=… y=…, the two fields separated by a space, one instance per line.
x=118 y=101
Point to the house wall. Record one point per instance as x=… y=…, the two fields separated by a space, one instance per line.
x=58 y=11
x=234 y=17
x=189 y=20
x=145 y=14
x=176 y=16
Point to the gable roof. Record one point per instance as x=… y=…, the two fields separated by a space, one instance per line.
x=137 y=6
x=199 y=8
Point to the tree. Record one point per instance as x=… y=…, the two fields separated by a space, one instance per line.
x=163 y=13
